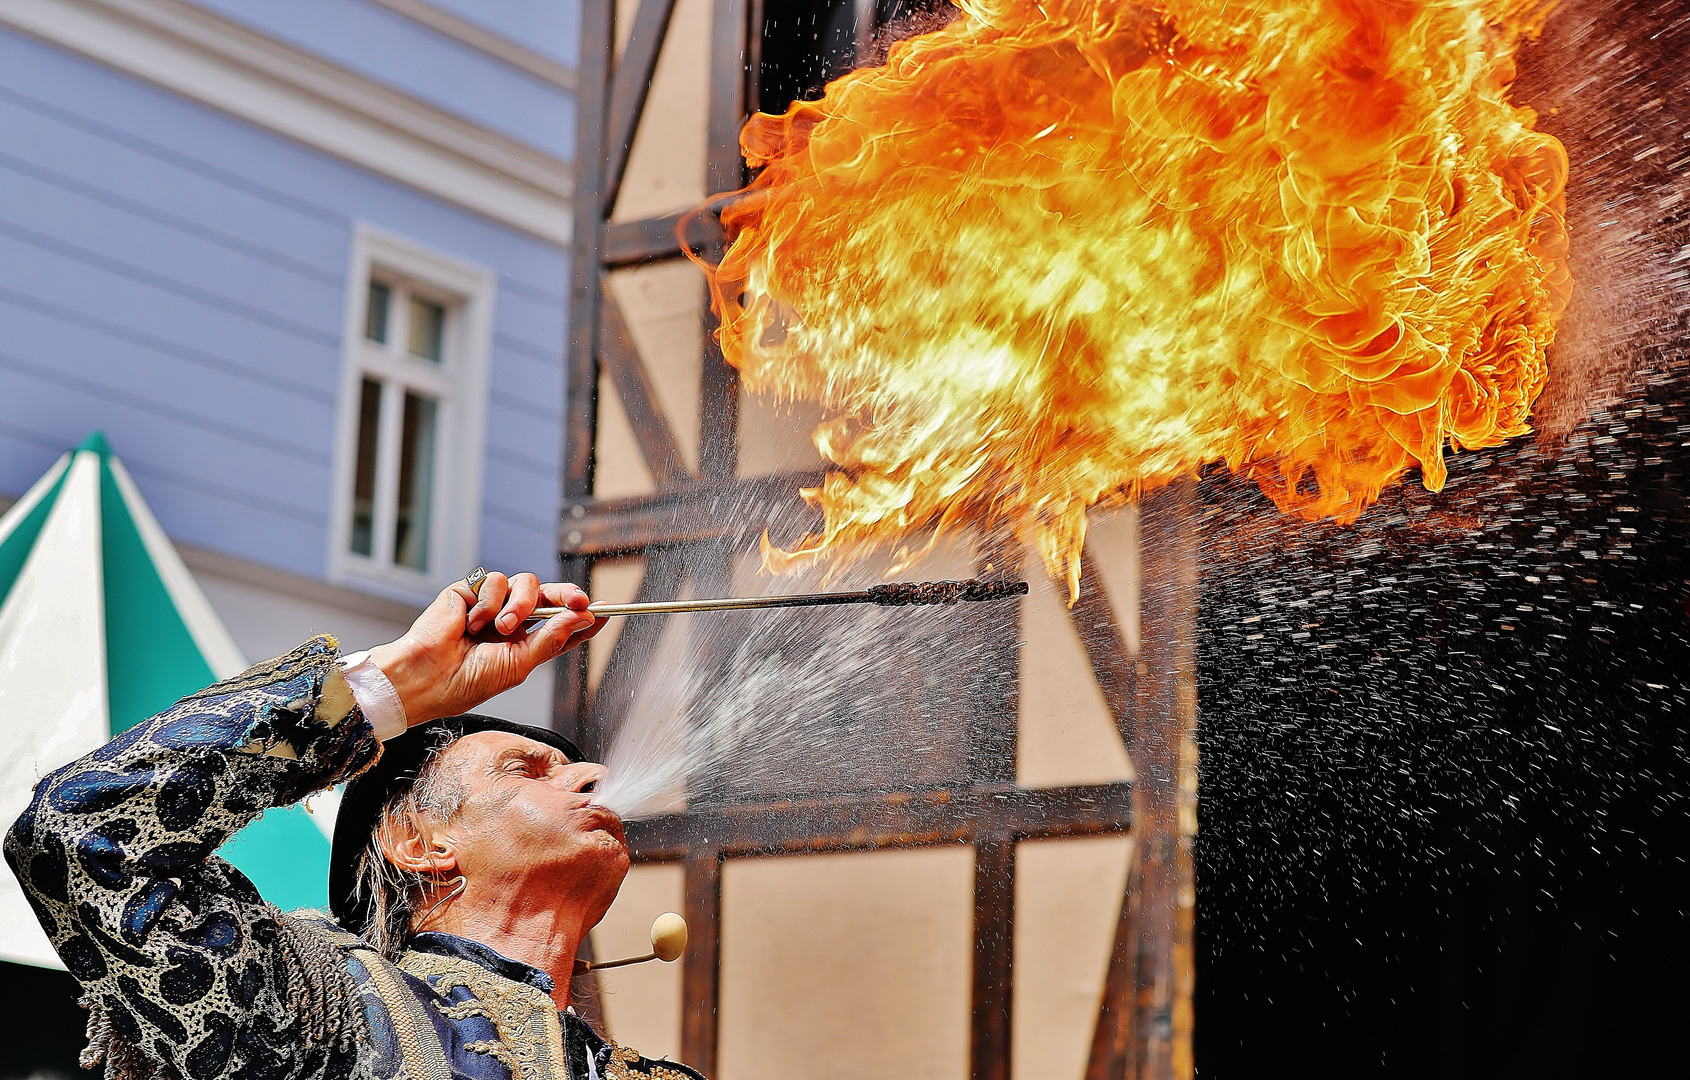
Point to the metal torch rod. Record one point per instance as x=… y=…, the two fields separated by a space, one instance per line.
x=726 y=603
x=895 y=595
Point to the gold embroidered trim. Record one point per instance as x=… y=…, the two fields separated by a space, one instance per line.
x=497 y=1051
x=425 y=1058
x=463 y=1011
x=622 y=1056
x=530 y=1034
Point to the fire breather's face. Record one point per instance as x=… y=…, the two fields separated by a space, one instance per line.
x=527 y=823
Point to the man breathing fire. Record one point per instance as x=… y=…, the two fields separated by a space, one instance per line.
x=468 y=864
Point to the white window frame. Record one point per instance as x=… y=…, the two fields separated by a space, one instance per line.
x=458 y=383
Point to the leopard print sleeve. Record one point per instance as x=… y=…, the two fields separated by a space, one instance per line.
x=173 y=945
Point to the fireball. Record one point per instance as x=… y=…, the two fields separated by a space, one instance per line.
x=1057 y=254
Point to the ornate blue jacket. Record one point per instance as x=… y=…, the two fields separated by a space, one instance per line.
x=188 y=972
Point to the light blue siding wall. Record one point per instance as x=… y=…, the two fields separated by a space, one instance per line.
x=392 y=49
x=177 y=278
x=549 y=27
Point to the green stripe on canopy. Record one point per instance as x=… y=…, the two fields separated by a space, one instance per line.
x=15 y=548
x=151 y=659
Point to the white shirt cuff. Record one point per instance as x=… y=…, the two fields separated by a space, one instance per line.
x=374 y=695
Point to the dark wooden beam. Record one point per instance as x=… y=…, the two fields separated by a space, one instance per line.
x=1106 y=646
x=632 y=243
x=1161 y=887
x=632 y=82
x=718 y=398
x=582 y=374
x=569 y=681
x=736 y=511
x=730 y=31
x=1114 y=668
x=994 y=958
x=1109 y=1039
x=884 y=820
x=581 y=368
x=701 y=967
x=656 y=440
x=754 y=55
x=718 y=395
x=993 y=727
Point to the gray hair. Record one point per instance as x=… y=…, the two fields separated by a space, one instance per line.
x=394 y=892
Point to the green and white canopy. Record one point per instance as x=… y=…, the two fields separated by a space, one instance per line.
x=101 y=626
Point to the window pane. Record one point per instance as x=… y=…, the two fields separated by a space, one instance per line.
x=375 y=312
x=416 y=482
x=428 y=327
x=364 y=476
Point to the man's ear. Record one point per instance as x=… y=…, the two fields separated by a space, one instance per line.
x=412 y=844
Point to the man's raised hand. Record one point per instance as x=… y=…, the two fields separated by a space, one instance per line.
x=470 y=645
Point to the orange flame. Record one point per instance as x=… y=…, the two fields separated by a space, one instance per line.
x=1060 y=253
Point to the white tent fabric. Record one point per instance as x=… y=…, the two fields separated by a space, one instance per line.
x=73 y=672
x=52 y=684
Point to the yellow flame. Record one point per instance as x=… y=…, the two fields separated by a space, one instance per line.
x=1060 y=253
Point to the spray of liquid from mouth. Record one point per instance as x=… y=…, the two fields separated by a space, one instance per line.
x=801 y=700
x=646 y=782
x=647 y=764
x=688 y=732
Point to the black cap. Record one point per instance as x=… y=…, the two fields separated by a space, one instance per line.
x=401 y=758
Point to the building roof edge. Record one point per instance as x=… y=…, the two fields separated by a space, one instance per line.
x=239 y=71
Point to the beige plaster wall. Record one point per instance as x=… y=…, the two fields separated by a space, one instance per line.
x=775 y=436
x=664 y=308
x=1067 y=905
x=1112 y=540
x=858 y=964
x=1067 y=733
x=618 y=468
x=838 y=967
x=663 y=304
x=666 y=164
x=642 y=1003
